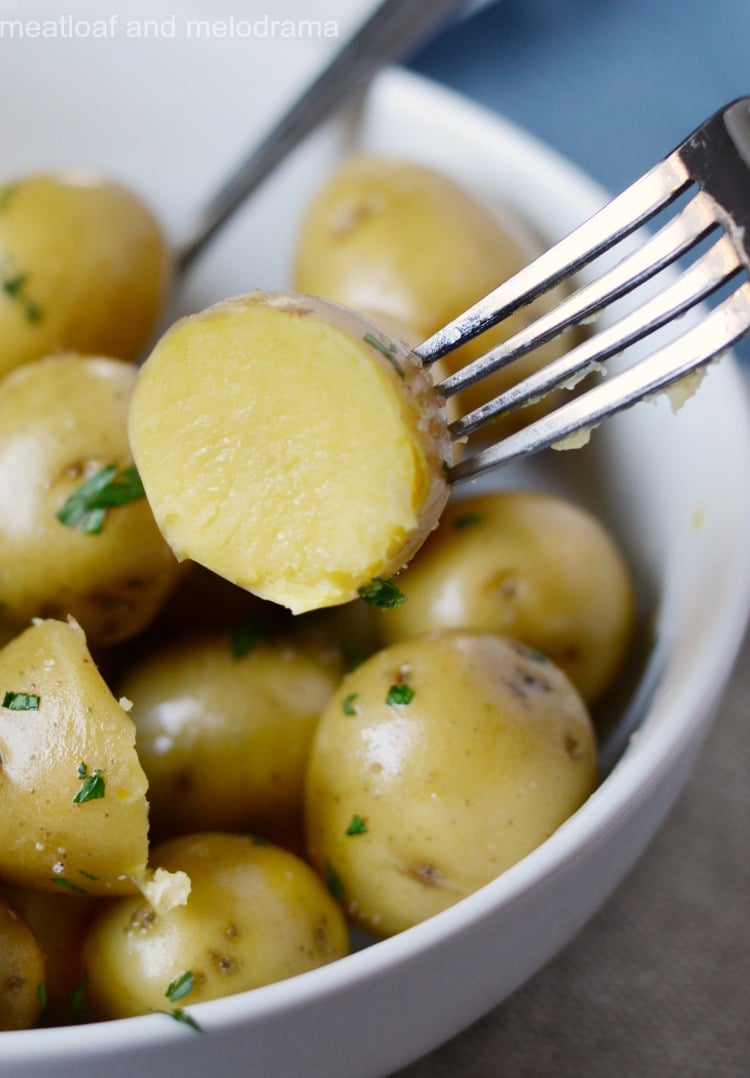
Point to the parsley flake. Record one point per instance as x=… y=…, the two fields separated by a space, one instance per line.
x=347 y=704
x=181 y=986
x=357 y=826
x=92 y=788
x=389 y=351
x=400 y=694
x=14 y=287
x=6 y=194
x=21 y=701
x=245 y=636
x=66 y=885
x=466 y=520
x=180 y=1015
x=86 y=508
x=41 y=995
x=334 y=882
x=382 y=594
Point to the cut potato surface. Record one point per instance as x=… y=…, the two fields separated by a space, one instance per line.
x=74 y=812
x=288 y=445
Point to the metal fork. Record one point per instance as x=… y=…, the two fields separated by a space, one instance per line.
x=715 y=160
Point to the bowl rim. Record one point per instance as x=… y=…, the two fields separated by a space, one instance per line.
x=682 y=715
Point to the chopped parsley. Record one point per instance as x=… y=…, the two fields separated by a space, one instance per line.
x=21 y=701
x=347 y=704
x=86 y=508
x=245 y=636
x=353 y=657
x=66 y=885
x=357 y=826
x=92 y=788
x=180 y=1015
x=382 y=594
x=400 y=694
x=41 y=995
x=466 y=520
x=259 y=840
x=181 y=986
x=78 y=999
x=7 y=192
x=389 y=351
x=334 y=882
x=14 y=287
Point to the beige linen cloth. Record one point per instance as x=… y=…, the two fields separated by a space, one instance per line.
x=657 y=985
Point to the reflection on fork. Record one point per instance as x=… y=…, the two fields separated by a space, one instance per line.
x=715 y=160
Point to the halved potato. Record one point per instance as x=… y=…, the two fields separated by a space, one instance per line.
x=72 y=790
x=290 y=446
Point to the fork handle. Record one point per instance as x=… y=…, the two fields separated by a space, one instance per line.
x=388 y=35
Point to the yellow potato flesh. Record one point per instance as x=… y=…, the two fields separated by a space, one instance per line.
x=48 y=840
x=256 y=914
x=413 y=805
x=83 y=267
x=286 y=453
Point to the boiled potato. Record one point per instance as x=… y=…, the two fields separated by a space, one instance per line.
x=59 y=923
x=256 y=914
x=533 y=566
x=438 y=764
x=72 y=791
x=224 y=722
x=406 y=243
x=22 y=974
x=63 y=421
x=83 y=267
x=287 y=445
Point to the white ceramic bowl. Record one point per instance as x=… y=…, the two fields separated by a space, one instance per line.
x=665 y=484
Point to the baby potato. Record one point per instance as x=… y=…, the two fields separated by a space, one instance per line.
x=405 y=243
x=72 y=790
x=83 y=266
x=63 y=430
x=438 y=764
x=530 y=565
x=255 y=914
x=289 y=446
x=22 y=975
x=59 y=923
x=224 y=722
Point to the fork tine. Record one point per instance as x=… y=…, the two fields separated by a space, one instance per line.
x=681 y=233
x=716 y=333
x=625 y=213
x=708 y=273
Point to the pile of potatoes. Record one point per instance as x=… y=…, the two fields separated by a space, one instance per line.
x=201 y=791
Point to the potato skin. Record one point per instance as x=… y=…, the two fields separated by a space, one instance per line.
x=410 y=246
x=255 y=914
x=22 y=974
x=533 y=566
x=85 y=267
x=53 y=840
x=59 y=923
x=223 y=728
x=413 y=805
x=62 y=419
